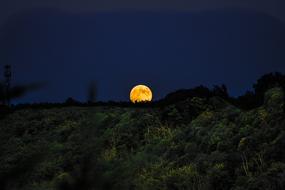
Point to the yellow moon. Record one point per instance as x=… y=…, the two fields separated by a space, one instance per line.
x=141 y=93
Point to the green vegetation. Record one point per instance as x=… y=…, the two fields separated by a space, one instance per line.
x=196 y=144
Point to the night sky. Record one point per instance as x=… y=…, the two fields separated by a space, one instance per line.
x=164 y=44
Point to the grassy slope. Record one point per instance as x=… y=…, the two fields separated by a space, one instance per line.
x=217 y=146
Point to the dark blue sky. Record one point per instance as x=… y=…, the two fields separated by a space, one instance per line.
x=118 y=49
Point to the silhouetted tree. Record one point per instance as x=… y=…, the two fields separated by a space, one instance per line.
x=256 y=98
x=247 y=101
x=16 y=91
x=221 y=91
x=71 y=102
x=9 y=92
x=268 y=81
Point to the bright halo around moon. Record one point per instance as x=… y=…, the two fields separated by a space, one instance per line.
x=141 y=93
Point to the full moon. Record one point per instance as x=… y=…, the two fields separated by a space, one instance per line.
x=141 y=93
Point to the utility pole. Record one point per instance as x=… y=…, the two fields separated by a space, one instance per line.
x=8 y=76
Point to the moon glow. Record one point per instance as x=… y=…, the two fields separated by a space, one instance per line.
x=141 y=93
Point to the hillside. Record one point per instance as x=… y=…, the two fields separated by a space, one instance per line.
x=197 y=144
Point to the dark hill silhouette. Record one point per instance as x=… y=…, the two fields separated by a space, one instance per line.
x=250 y=100
x=194 y=98
x=214 y=146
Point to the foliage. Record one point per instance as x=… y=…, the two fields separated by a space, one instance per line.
x=198 y=143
